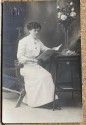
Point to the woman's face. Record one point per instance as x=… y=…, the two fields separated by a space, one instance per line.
x=34 y=32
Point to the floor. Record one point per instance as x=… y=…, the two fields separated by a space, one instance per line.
x=71 y=111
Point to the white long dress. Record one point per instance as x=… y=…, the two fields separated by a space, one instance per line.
x=39 y=84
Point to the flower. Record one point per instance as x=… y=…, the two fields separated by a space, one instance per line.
x=71 y=3
x=66 y=12
x=73 y=14
x=72 y=9
x=63 y=17
x=59 y=14
x=58 y=7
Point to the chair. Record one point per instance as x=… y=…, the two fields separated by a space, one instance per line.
x=20 y=81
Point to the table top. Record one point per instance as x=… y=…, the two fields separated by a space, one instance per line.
x=61 y=56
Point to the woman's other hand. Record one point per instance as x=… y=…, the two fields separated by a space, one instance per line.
x=57 y=48
x=35 y=60
x=32 y=60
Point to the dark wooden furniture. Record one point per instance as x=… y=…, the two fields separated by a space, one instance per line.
x=67 y=74
x=19 y=83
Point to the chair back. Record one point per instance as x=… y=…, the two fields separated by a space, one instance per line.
x=19 y=65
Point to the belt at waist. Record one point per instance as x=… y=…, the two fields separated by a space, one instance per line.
x=30 y=64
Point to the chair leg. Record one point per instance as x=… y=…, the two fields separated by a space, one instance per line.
x=72 y=95
x=54 y=100
x=22 y=94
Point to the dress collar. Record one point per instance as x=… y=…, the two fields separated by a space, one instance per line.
x=33 y=37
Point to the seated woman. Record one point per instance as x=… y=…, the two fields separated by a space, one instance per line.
x=39 y=84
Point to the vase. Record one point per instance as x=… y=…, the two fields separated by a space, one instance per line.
x=66 y=26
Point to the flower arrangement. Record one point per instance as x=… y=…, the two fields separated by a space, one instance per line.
x=66 y=13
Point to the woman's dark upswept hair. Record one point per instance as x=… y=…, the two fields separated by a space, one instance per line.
x=33 y=25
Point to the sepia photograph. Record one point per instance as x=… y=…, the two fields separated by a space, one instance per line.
x=41 y=62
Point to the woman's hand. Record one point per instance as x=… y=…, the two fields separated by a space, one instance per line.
x=53 y=48
x=32 y=60
x=57 y=48
x=35 y=60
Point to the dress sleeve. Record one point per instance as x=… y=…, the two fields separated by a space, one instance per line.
x=43 y=47
x=21 y=51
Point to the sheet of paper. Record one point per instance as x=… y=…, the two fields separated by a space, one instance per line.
x=57 y=48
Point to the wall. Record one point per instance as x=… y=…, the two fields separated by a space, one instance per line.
x=44 y=12
x=11 y=25
x=52 y=34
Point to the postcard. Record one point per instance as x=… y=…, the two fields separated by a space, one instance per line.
x=35 y=89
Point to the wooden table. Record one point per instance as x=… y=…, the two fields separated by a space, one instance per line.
x=67 y=74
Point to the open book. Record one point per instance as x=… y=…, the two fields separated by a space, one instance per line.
x=46 y=54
